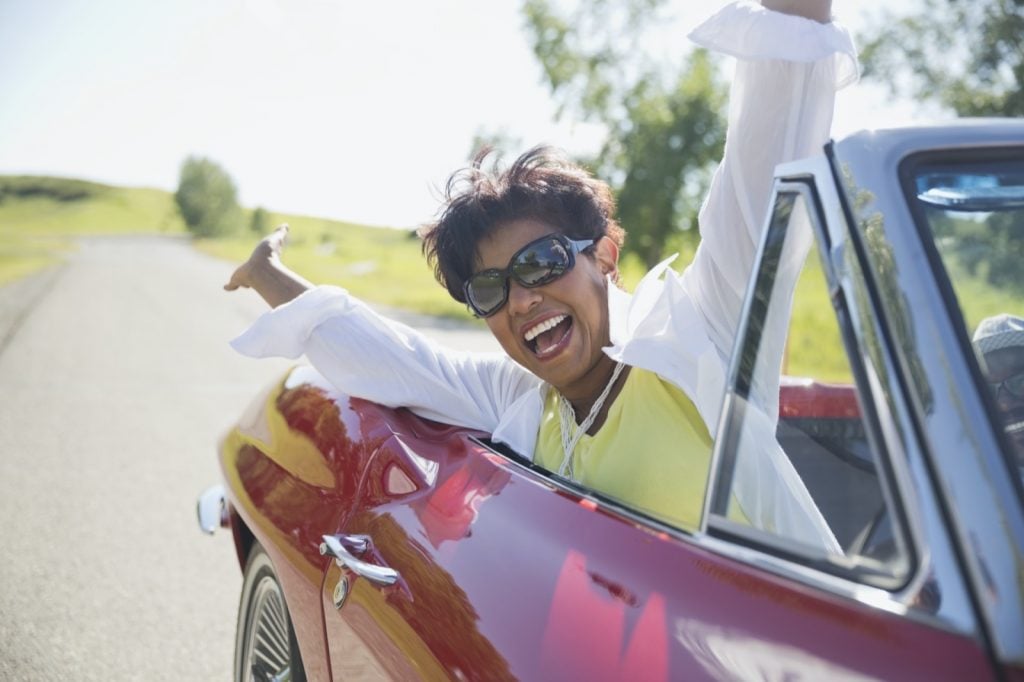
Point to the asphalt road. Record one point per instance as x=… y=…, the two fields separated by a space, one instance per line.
x=116 y=382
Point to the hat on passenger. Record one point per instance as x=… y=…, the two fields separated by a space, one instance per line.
x=998 y=332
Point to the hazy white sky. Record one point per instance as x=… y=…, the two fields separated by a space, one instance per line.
x=352 y=110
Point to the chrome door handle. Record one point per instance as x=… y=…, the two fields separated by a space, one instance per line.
x=381 y=575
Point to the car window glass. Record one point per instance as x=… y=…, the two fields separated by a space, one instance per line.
x=974 y=211
x=797 y=461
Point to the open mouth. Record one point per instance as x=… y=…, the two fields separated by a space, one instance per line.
x=1014 y=429
x=547 y=337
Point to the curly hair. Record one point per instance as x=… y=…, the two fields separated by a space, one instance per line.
x=542 y=184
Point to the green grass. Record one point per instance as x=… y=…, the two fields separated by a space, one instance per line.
x=814 y=347
x=17 y=262
x=376 y=264
x=106 y=210
x=380 y=265
x=41 y=216
x=977 y=298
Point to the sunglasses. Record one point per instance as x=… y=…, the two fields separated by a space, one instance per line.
x=1014 y=385
x=539 y=262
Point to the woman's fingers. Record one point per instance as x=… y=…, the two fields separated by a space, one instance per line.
x=269 y=248
x=278 y=238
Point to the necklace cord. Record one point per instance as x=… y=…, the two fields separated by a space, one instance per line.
x=571 y=433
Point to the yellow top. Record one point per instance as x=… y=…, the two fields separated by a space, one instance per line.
x=652 y=452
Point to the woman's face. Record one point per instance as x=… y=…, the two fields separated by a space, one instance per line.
x=1003 y=364
x=556 y=330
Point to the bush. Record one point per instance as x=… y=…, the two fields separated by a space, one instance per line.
x=207 y=198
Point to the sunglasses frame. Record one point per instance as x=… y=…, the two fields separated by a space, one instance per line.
x=571 y=246
x=1002 y=386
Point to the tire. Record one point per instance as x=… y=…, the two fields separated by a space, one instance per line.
x=265 y=644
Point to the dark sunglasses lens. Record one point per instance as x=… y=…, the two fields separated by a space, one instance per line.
x=541 y=263
x=1015 y=385
x=486 y=291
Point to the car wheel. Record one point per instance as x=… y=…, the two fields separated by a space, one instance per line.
x=265 y=645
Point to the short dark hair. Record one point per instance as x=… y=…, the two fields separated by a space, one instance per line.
x=542 y=184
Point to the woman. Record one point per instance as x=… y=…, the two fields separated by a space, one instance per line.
x=619 y=393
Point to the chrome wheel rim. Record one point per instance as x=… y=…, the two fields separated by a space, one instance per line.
x=267 y=648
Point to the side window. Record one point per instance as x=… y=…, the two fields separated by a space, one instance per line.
x=973 y=210
x=798 y=472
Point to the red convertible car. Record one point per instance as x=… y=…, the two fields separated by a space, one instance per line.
x=375 y=544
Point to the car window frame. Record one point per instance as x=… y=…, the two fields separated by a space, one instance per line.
x=809 y=564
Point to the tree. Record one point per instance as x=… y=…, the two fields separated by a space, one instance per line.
x=498 y=140
x=966 y=55
x=207 y=198
x=260 y=222
x=665 y=124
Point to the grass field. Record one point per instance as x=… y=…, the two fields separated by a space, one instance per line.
x=379 y=265
x=40 y=217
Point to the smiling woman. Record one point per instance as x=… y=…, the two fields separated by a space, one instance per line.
x=530 y=249
x=534 y=250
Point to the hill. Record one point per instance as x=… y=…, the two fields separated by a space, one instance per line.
x=41 y=216
x=63 y=206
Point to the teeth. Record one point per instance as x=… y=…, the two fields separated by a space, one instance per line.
x=1014 y=428
x=535 y=331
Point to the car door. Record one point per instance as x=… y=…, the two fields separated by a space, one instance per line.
x=470 y=563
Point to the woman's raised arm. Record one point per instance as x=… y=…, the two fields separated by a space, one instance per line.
x=265 y=274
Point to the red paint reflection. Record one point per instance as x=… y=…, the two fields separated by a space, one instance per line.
x=622 y=642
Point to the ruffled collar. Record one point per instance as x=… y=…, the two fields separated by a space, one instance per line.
x=658 y=328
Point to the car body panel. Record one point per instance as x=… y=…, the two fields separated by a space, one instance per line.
x=503 y=572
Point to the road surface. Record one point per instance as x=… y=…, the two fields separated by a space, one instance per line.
x=116 y=381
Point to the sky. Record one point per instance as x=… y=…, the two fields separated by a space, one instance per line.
x=343 y=109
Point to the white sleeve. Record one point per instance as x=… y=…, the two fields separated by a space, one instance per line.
x=378 y=359
x=780 y=109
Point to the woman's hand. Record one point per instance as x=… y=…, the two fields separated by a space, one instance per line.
x=267 y=252
x=266 y=274
x=819 y=10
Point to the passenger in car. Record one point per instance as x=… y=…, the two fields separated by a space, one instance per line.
x=1000 y=342
x=619 y=393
